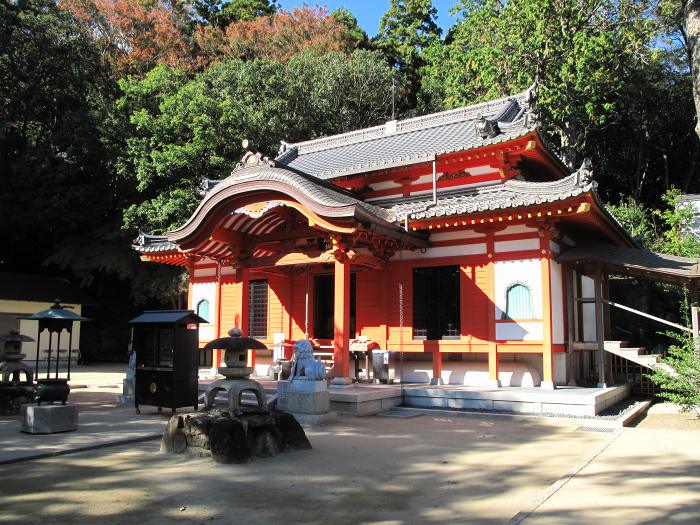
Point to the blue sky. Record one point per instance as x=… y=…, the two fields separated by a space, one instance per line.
x=369 y=12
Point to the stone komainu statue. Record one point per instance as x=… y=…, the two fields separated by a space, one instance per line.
x=305 y=366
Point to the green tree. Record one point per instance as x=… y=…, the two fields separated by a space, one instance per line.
x=577 y=52
x=181 y=129
x=405 y=31
x=223 y=12
x=682 y=386
x=349 y=22
x=53 y=96
x=677 y=237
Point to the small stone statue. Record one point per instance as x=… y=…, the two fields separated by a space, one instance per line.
x=305 y=366
x=131 y=369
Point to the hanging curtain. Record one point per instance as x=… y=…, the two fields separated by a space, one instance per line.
x=518 y=303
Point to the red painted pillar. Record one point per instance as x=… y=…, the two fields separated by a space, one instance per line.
x=494 y=380
x=216 y=354
x=341 y=316
x=547 y=355
x=437 y=368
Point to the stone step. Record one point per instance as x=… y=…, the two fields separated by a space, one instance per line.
x=616 y=344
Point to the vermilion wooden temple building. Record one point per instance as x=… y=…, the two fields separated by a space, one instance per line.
x=437 y=236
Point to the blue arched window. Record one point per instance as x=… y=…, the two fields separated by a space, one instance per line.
x=518 y=302
x=203 y=309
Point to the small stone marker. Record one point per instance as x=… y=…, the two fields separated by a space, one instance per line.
x=49 y=419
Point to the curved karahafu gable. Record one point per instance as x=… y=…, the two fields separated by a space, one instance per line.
x=257 y=185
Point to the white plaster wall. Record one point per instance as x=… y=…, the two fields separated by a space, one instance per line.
x=588 y=309
x=556 y=287
x=456 y=234
x=532 y=331
x=560 y=368
x=527 y=272
x=205 y=291
x=474 y=373
x=519 y=245
x=444 y=251
x=204 y=272
x=516 y=228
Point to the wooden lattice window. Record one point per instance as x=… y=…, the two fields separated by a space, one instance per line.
x=257 y=309
x=436 y=303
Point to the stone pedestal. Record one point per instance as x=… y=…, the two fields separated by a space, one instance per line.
x=127 y=395
x=237 y=437
x=282 y=390
x=309 y=401
x=49 y=419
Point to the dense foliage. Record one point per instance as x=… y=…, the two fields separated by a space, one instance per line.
x=683 y=386
x=113 y=110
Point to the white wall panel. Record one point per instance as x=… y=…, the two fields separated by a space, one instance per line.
x=525 y=331
x=524 y=271
x=557 y=303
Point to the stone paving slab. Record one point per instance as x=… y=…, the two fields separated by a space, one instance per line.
x=101 y=422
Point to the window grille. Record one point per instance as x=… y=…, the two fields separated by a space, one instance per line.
x=203 y=309
x=257 y=309
x=518 y=302
x=436 y=303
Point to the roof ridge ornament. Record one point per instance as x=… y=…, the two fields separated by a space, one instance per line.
x=532 y=114
x=251 y=159
x=584 y=175
x=486 y=128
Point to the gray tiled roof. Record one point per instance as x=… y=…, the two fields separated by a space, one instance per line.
x=145 y=243
x=413 y=140
x=636 y=261
x=319 y=191
x=509 y=194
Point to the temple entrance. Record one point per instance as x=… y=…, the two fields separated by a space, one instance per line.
x=324 y=289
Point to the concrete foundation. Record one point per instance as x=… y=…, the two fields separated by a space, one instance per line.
x=565 y=401
x=49 y=419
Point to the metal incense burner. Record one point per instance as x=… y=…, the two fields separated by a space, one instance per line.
x=55 y=320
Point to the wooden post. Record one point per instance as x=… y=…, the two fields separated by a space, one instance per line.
x=599 y=326
x=437 y=368
x=695 y=320
x=547 y=355
x=494 y=381
x=216 y=354
x=569 y=305
x=341 y=317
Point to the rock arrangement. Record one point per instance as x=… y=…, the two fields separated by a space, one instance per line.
x=234 y=436
x=12 y=397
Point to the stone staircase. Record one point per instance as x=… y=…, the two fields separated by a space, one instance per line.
x=637 y=355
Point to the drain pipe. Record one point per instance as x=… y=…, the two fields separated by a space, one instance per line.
x=434 y=182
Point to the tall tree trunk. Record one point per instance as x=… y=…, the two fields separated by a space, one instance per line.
x=692 y=28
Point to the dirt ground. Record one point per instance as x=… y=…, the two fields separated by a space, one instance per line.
x=382 y=470
x=361 y=470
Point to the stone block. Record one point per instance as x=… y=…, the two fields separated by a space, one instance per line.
x=308 y=402
x=306 y=385
x=282 y=389
x=129 y=387
x=49 y=419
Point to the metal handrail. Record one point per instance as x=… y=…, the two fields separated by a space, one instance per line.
x=649 y=316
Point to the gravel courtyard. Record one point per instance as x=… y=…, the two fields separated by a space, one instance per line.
x=426 y=469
